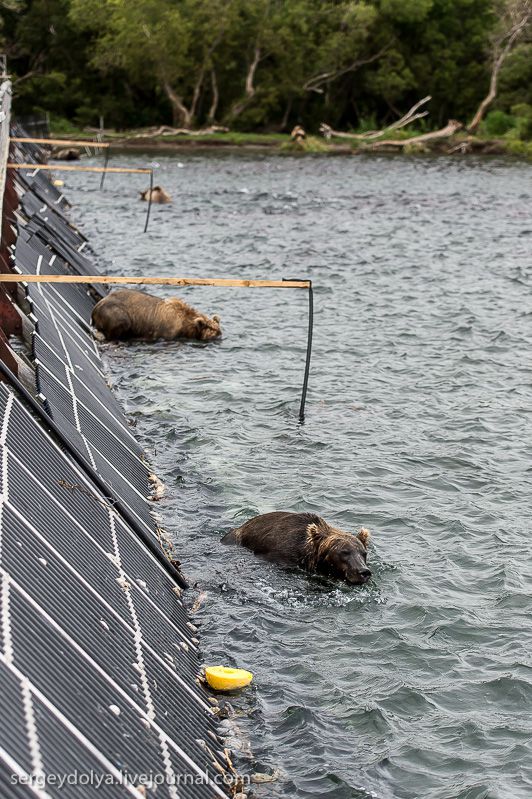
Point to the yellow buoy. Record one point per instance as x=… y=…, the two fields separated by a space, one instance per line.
x=58 y=182
x=222 y=678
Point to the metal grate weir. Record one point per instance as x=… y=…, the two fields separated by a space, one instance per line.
x=96 y=648
x=98 y=659
x=69 y=378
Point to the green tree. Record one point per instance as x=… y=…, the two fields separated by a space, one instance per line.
x=167 y=44
x=514 y=22
x=263 y=64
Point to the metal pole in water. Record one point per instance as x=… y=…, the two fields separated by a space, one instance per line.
x=309 y=352
x=149 y=202
x=106 y=161
x=309 y=342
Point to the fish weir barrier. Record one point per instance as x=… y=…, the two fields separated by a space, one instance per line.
x=99 y=661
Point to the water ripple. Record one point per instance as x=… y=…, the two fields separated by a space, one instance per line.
x=418 y=685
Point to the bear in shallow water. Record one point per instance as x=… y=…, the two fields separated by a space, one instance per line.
x=65 y=154
x=134 y=314
x=158 y=195
x=307 y=541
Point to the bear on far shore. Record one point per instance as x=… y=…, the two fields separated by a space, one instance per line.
x=133 y=314
x=305 y=540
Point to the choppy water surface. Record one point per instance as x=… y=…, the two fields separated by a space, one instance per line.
x=418 y=427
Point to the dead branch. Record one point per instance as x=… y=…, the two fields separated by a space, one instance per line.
x=250 y=90
x=197 y=92
x=409 y=117
x=215 y=97
x=29 y=74
x=315 y=83
x=201 y=75
x=179 y=110
x=443 y=133
x=472 y=144
x=167 y=130
x=519 y=16
x=36 y=69
x=405 y=120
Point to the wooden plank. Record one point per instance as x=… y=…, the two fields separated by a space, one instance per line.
x=158 y=281
x=63 y=142
x=75 y=168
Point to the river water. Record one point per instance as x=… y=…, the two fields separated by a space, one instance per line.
x=419 y=684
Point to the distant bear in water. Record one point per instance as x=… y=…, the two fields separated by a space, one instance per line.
x=65 y=154
x=134 y=314
x=158 y=195
x=307 y=541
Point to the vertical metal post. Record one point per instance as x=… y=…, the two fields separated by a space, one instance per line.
x=106 y=161
x=309 y=353
x=149 y=202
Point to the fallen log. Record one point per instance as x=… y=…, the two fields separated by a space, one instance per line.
x=443 y=133
x=470 y=144
x=406 y=119
x=166 y=130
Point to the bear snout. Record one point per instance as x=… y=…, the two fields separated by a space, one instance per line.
x=358 y=577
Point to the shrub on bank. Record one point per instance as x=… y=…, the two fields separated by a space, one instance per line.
x=523 y=116
x=309 y=145
x=517 y=125
x=497 y=123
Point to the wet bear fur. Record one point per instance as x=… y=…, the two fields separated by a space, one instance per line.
x=135 y=315
x=158 y=195
x=305 y=540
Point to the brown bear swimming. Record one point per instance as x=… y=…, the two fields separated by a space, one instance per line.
x=307 y=541
x=158 y=195
x=134 y=314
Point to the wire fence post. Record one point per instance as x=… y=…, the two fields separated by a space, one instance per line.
x=149 y=202
x=106 y=161
x=309 y=352
x=298 y=283
x=309 y=343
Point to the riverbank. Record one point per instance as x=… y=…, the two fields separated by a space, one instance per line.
x=460 y=143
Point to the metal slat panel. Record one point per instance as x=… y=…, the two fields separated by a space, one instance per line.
x=99 y=388
x=13 y=737
x=84 y=634
x=62 y=754
x=99 y=657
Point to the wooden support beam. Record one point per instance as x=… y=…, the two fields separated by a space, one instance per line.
x=61 y=142
x=75 y=168
x=158 y=281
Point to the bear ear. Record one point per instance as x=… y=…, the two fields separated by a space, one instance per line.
x=199 y=321
x=364 y=536
x=215 y=318
x=315 y=533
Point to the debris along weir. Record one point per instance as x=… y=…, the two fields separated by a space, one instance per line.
x=99 y=661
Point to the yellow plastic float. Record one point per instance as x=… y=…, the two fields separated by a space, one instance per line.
x=222 y=678
x=58 y=182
